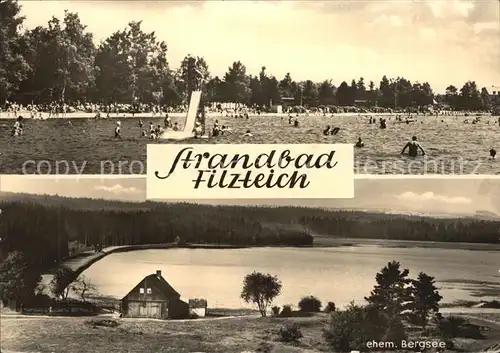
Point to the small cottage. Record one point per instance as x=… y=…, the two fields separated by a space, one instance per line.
x=198 y=307
x=154 y=298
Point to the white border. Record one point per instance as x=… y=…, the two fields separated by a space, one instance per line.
x=74 y=176
x=426 y=176
x=356 y=176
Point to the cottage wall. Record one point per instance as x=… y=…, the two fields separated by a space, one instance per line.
x=149 y=309
x=200 y=312
x=178 y=309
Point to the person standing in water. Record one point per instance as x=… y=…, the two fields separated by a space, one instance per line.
x=118 y=130
x=360 y=143
x=18 y=127
x=413 y=146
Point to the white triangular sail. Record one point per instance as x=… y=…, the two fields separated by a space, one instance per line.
x=187 y=132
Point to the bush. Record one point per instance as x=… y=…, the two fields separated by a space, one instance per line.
x=275 y=310
x=290 y=333
x=38 y=301
x=310 y=304
x=352 y=328
x=456 y=326
x=102 y=323
x=330 y=307
x=286 y=311
x=395 y=331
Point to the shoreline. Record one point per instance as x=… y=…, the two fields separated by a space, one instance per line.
x=114 y=116
x=325 y=241
x=78 y=263
x=225 y=313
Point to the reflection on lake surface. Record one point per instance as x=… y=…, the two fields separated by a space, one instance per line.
x=338 y=274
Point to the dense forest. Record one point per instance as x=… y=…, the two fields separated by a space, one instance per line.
x=44 y=226
x=62 y=62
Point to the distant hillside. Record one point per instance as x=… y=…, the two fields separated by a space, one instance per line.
x=71 y=202
x=480 y=215
x=101 y=204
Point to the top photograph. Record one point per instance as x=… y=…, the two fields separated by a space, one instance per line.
x=414 y=86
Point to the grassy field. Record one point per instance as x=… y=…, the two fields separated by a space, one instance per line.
x=231 y=335
x=91 y=141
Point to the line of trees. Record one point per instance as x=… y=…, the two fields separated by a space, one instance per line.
x=22 y=285
x=44 y=227
x=60 y=62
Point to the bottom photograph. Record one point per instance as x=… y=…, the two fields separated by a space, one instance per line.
x=408 y=265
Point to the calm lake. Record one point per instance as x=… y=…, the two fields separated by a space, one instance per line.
x=339 y=274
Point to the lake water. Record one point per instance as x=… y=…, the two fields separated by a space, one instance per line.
x=339 y=274
x=452 y=147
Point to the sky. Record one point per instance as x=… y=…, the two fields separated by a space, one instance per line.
x=442 y=41
x=440 y=197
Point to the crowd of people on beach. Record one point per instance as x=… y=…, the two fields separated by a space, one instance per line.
x=61 y=110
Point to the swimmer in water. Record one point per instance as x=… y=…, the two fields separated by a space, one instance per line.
x=335 y=131
x=118 y=131
x=248 y=134
x=360 y=143
x=141 y=124
x=493 y=153
x=296 y=123
x=413 y=146
x=326 y=131
x=197 y=129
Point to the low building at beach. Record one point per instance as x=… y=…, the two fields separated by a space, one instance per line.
x=287 y=102
x=198 y=307
x=154 y=298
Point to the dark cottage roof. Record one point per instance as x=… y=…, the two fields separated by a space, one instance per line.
x=160 y=283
